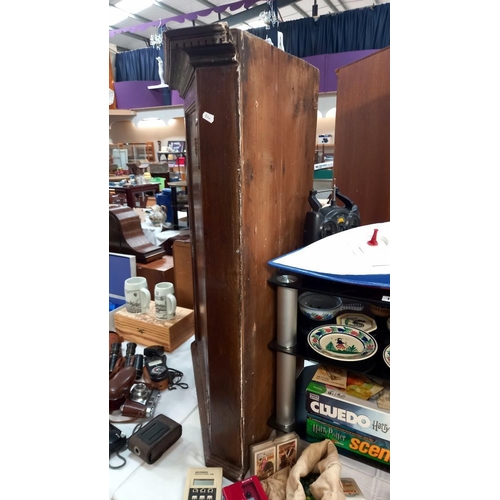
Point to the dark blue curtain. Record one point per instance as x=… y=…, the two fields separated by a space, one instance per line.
x=139 y=64
x=357 y=29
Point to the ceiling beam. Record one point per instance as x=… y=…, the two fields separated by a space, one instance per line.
x=132 y=35
x=300 y=11
x=344 y=7
x=330 y=4
x=132 y=16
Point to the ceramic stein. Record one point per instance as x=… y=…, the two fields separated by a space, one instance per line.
x=137 y=295
x=165 y=301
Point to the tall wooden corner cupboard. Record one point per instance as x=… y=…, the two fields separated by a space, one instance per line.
x=250 y=112
x=362 y=135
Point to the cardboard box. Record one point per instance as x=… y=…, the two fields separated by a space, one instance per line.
x=330 y=375
x=351 y=489
x=183 y=273
x=336 y=406
x=147 y=329
x=370 y=447
x=156 y=272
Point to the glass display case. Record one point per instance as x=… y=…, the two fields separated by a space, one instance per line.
x=135 y=152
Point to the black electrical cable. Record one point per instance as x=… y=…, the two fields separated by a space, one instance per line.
x=136 y=428
x=174 y=380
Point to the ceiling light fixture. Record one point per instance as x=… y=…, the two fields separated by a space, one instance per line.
x=315 y=10
x=151 y=122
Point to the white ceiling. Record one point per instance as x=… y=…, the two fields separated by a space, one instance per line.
x=158 y=10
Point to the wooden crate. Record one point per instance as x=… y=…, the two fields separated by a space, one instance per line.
x=147 y=329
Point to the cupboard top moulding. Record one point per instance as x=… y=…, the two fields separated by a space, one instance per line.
x=251 y=112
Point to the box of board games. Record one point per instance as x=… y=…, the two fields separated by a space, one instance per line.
x=337 y=407
x=370 y=447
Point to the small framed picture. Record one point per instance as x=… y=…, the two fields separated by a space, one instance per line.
x=263 y=463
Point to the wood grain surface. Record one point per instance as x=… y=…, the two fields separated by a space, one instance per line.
x=251 y=125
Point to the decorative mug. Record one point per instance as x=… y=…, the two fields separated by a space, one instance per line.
x=165 y=301
x=137 y=295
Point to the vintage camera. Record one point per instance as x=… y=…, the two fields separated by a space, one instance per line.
x=141 y=401
x=330 y=219
x=155 y=361
x=119 y=387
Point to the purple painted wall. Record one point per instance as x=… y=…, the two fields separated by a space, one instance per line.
x=328 y=63
x=177 y=100
x=135 y=94
x=318 y=62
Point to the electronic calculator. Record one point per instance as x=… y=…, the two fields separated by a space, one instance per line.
x=204 y=483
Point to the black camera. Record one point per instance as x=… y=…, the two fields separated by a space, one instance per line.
x=330 y=219
x=141 y=401
x=155 y=362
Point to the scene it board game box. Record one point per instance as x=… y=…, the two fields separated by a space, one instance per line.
x=337 y=407
x=368 y=446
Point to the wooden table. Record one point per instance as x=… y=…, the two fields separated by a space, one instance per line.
x=132 y=192
x=116 y=178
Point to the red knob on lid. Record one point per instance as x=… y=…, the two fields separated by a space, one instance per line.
x=373 y=242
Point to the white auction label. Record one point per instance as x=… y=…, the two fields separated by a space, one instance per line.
x=208 y=117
